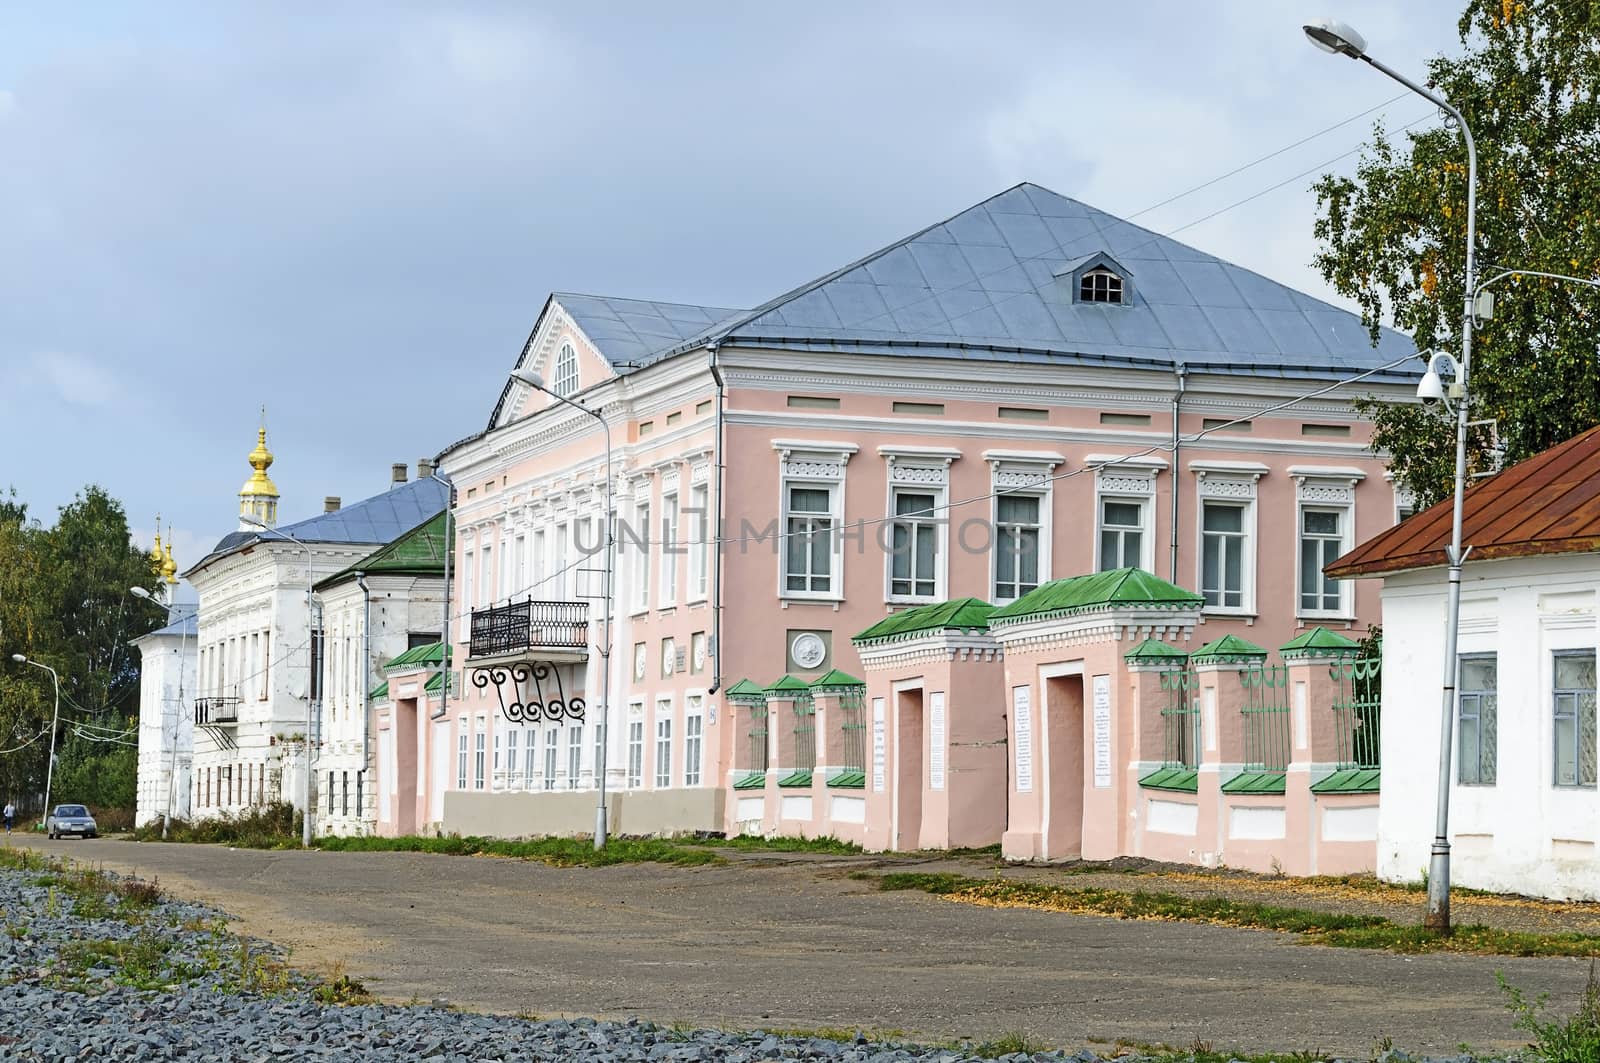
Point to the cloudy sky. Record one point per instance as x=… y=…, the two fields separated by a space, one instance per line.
x=352 y=213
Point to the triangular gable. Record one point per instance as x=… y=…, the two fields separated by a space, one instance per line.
x=611 y=336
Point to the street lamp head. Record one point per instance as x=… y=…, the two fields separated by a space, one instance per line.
x=253 y=521
x=19 y=658
x=1336 y=38
x=140 y=592
x=528 y=377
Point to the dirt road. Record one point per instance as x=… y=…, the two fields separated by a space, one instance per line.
x=800 y=945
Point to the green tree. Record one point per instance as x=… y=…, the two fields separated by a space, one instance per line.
x=64 y=602
x=1393 y=237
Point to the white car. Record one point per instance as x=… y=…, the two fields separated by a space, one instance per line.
x=70 y=819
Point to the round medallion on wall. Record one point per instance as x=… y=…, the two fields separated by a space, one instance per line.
x=808 y=650
x=699 y=652
x=638 y=661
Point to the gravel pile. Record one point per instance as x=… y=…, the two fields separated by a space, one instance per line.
x=94 y=977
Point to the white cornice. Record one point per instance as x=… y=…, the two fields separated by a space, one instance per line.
x=1328 y=472
x=1229 y=468
x=896 y=451
x=784 y=421
x=1122 y=461
x=1025 y=457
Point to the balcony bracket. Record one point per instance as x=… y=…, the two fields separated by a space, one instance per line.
x=545 y=702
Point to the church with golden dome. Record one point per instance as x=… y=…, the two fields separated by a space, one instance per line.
x=282 y=674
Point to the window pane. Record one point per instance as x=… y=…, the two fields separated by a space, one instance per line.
x=808 y=500
x=1488 y=726
x=1110 y=558
x=1131 y=547
x=1028 y=560
x=926 y=547
x=1320 y=522
x=1566 y=768
x=1211 y=569
x=1224 y=518
x=822 y=551
x=1575 y=672
x=1478 y=673
x=909 y=504
x=1233 y=570
x=1017 y=509
x=1124 y=514
x=1470 y=750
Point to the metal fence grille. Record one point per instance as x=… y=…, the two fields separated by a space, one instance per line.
x=805 y=733
x=1356 y=711
x=1266 y=717
x=758 y=736
x=1180 y=719
x=853 y=726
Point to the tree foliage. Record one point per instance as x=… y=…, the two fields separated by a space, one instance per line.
x=64 y=602
x=1393 y=237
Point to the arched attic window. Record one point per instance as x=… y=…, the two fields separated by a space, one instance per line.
x=565 y=379
x=1100 y=285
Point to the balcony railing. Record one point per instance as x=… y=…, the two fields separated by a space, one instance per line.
x=217 y=710
x=529 y=625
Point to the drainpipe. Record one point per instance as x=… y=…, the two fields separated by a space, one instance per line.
x=716 y=579
x=449 y=516
x=1180 y=372
x=366 y=681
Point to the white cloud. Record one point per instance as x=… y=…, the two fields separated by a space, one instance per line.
x=78 y=380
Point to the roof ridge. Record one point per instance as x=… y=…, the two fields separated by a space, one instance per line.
x=813 y=285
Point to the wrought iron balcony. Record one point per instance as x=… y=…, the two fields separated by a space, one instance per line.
x=530 y=629
x=209 y=712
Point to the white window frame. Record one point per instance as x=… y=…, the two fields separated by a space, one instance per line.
x=700 y=541
x=497 y=781
x=485 y=574
x=1130 y=480
x=1019 y=472
x=530 y=758
x=480 y=759
x=663 y=734
x=694 y=729
x=636 y=751
x=669 y=545
x=642 y=513
x=552 y=741
x=918 y=470
x=463 y=742
x=820 y=466
x=513 y=759
x=1325 y=489
x=564 y=375
x=1229 y=483
x=574 y=754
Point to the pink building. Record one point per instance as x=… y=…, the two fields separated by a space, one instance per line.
x=952 y=422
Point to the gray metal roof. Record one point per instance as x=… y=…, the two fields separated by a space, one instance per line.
x=187 y=623
x=376 y=520
x=629 y=332
x=985 y=283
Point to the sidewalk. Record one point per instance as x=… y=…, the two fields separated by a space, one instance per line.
x=1353 y=895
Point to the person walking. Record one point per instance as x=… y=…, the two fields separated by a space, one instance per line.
x=11 y=815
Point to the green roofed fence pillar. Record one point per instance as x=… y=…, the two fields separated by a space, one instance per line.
x=748 y=703
x=1221 y=668
x=1312 y=658
x=1166 y=731
x=840 y=701
x=784 y=698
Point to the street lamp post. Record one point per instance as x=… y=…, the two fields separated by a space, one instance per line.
x=177 y=722
x=55 y=719
x=534 y=380
x=1339 y=39
x=311 y=661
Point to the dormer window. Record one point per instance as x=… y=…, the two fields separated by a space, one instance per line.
x=1100 y=286
x=565 y=379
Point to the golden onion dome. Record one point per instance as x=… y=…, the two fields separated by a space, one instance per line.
x=169 y=567
x=259 y=485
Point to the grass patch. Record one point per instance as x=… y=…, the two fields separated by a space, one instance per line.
x=141 y=962
x=829 y=846
x=1574 y=1039
x=557 y=852
x=1322 y=928
x=274 y=826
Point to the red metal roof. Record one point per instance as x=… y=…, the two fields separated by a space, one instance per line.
x=1548 y=504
